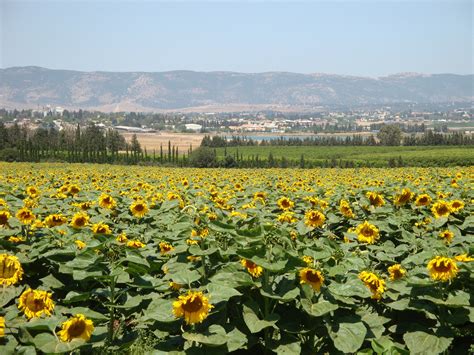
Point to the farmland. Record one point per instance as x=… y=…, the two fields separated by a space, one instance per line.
x=360 y=155
x=105 y=259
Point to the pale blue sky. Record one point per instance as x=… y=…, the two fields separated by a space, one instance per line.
x=343 y=37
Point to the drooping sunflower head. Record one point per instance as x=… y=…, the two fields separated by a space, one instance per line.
x=307 y=259
x=252 y=268
x=101 y=228
x=367 y=233
x=139 y=209
x=54 y=220
x=285 y=203
x=79 y=220
x=80 y=244
x=403 y=197
x=375 y=199
x=314 y=218
x=396 y=272
x=312 y=277
x=73 y=190
x=423 y=200
x=194 y=307
x=2 y=327
x=375 y=284
x=11 y=270
x=464 y=258
x=25 y=215
x=447 y=236
x=456 y=206
x=35 y=303
x=32 y=191
x=76 y=327
x=135 y=244
x=345 y=209
x=442 y=268
x=165 y=247
x=107 y=201
x=441 y=209
x=287 y=217
x=4 y=217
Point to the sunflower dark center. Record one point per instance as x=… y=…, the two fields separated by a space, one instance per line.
x=312 y=276
x=77 y=328
x=193 y=305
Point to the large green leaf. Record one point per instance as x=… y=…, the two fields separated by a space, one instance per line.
x=349 y=337
x=318 y=309
x=254 y=323
x=425 y=343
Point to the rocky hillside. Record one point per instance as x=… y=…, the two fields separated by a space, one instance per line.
x=30 y=87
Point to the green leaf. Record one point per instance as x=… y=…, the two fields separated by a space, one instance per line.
x=160 y=310
x=236 y=340
x=254 y=323
x=425 y=343
x=218 y=293
x=215 y=336
x=318 y=309
x=51 y=282
x=289 y=349
x=349 y=337
x=88 y=313
x=49 y=344
x=185 y=277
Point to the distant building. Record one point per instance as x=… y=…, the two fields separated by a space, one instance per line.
x=193 y=127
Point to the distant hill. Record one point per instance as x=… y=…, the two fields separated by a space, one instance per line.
x=29 y=87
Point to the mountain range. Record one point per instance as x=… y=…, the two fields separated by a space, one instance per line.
x=33 y=87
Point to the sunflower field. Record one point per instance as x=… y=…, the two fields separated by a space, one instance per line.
x=102 y=259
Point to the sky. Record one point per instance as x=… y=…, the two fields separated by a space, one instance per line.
x=365 y=38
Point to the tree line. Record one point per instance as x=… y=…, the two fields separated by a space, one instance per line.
x=388 y=135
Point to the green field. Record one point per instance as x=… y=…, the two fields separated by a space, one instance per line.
x=361 y=155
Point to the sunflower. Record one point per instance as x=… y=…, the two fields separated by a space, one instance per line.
x=252 y=268
x=4 y=216
x=76 y=327
x=79 y=220
x=25 y=215
x=2 y=327
x=136 y=244
x=375 y=284
x=446 y=235
x=312 y=277
x=80 y=244
x=122 y=238
x=139 y=209
x=396 y=272
x=101 y=228
x=32 y=191
x=441 y=209
x=73 y=190
x=285 y=203
x=345 y=209
x=375 y=199
x=442 y=268
x=287 y=216
x=35 y=303
x=175 y=286
x=423 y=200
x=54 y=220
x=107 y=201
x=403 y=197
x=464 y=258
x=456 y=205
x=194 y=307
x=165 y=247
x=307 y=259
x=314 y=218
x=367 y=233
x=11 y=270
